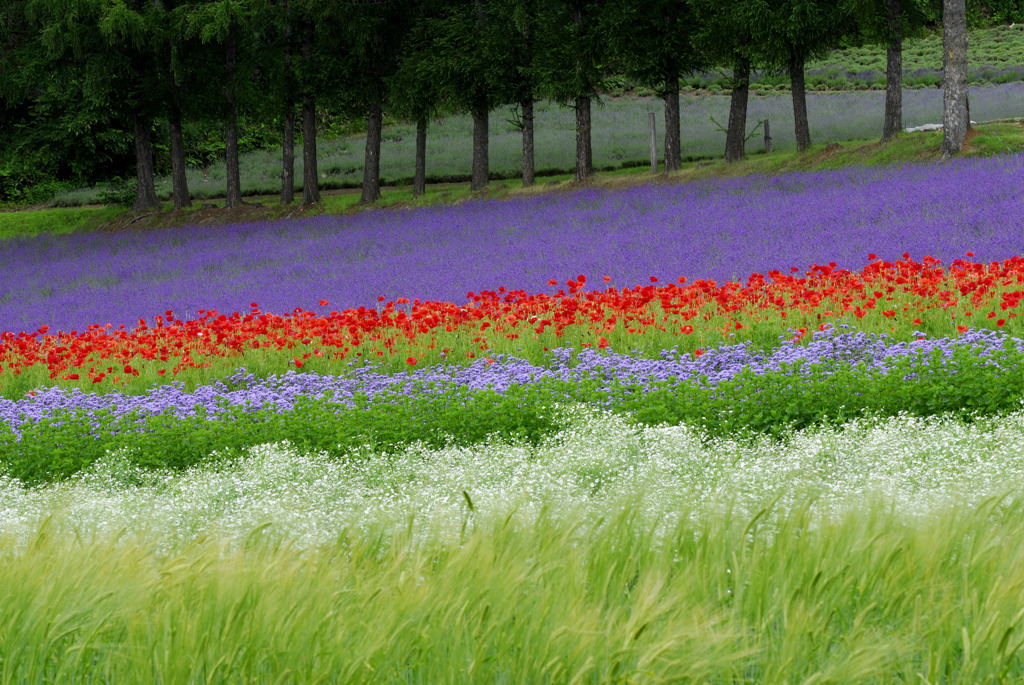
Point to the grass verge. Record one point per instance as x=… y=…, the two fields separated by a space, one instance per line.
x=988 y=139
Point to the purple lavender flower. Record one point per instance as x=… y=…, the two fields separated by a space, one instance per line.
x=721 y=230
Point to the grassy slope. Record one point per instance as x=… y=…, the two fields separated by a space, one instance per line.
x=988 y=139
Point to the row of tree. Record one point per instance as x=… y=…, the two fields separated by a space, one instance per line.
x=134 y=63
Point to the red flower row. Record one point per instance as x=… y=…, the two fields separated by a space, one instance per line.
x=901 y=288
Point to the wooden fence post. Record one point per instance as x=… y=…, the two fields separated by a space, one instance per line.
x=654 y=143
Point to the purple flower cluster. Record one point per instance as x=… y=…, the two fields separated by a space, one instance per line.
x=717 y=230
x=826 y=349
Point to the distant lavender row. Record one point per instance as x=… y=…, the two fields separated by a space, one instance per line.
x=718 y=230
x=830 y=347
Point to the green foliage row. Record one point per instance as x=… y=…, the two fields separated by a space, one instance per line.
x=775 y=404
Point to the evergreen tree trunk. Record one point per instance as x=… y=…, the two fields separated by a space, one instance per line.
x=288 y=159
x=735 y=138
x=234 y=184
x=529 y=167
x=310 y=172
x=796 y=79
x=371 y=165
x=673 y=145
x=288 y=144
x=955 y=114
x=179 y=182
x=481 y=155
x=893 y=73
x=145 y=186
x=584 y=152
x=419 y=185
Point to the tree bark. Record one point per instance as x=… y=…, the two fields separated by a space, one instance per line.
x=673 y=144
x=145 y=186
x=796 y=79
x=233 y=197
x=529 y=165
x=735 y=138
x=481 y=155
x=288 y=144
x=288 y=160
x=584 y=151
x=179 y=182
x=955 y=115
x=371 y=164
x=310 y=172
x=893 y=73
x=419 y=185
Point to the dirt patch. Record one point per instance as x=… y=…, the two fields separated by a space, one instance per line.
x=972 y=134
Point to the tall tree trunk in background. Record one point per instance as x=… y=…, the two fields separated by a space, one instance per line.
x=481 y=153
x=288 y=134
x=796 y=79
x=480 y=109
x=371 y=164
x=735 y=138
x=673 y=144
x=145 y=186
x=179 y=182
x=234 y=183
x=893 y=73
x=419 y=184
x=955 y=114
x=529 y=167
x=584 y=152
x=288 y=159
x=310 y=172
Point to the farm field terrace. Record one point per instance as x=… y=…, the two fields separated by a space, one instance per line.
x=758 y=430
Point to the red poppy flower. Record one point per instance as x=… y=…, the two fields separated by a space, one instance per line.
x=411 y=361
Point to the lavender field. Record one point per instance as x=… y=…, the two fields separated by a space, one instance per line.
x=732 y=513
x=713 y=230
